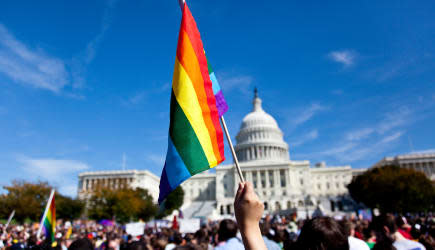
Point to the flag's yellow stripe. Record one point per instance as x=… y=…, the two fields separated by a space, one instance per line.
x=48 y=217
x=187 y=58
x=187 y=99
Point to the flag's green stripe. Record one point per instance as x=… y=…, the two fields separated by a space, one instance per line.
x=49 y=230
x=185 y=140
x=210 y=70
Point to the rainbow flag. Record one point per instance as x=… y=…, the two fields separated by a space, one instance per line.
x=48 y=221
x=195 y=141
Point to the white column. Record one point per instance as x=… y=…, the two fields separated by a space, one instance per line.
x=266 y=175
x=277 y=178
x=249 y=176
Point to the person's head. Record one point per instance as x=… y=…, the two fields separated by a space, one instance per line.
x=137 y=245
x=81 y=244
x=189 y=238
x=385 y=223
x=227 y=230
x=178 y=239
x=202 y=236
x=384 y=226
x=322 y=233
x=348 y=227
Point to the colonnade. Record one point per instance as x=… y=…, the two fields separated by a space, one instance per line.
x=115 y=183
x=262 y=152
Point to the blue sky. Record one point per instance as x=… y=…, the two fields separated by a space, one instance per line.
x=84 y=84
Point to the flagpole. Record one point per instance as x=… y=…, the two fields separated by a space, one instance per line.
x=181 y=3
x=45 y=213
x=236 y=162
x=10 y=219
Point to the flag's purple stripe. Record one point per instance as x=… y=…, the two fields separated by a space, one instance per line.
x=165 y=189
x=221 y=104
x=178 y=173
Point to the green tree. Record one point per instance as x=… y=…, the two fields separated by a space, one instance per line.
x=172 y=202
x=28 y=199
x=148 y=209
x=394 y=189
x=124 y=205
x=68 y=208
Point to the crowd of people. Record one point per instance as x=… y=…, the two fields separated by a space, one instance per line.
x=250 y=230
x=277 y=233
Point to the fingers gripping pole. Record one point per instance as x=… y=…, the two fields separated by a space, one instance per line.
x=236 y=162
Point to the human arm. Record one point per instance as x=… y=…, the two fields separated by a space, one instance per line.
x=249 y=209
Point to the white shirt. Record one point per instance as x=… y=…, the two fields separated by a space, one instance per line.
x=405 y=244
x=357 y=244
x=401 y=243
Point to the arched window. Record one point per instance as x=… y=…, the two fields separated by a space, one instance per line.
x=289 y=204
x=222 y=210
x=265 y=206
x=228 y=209
x=332 y=205
x=277 y=206
x=300 y=203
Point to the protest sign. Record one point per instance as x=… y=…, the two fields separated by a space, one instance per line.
x=189 y=225
x=135 y=229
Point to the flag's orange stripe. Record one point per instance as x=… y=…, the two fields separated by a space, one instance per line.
x=187 y=58
x=189 y=25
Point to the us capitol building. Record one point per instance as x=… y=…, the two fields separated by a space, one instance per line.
x=284 y=185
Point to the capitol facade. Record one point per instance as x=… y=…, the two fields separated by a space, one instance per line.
x=284 y=185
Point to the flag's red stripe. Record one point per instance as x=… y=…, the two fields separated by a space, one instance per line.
x=187 y=58
x=189 y=25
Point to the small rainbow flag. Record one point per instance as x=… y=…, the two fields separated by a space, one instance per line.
x=48 y=221
x=195 y=141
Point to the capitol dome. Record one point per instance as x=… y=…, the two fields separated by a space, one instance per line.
x=260 y=138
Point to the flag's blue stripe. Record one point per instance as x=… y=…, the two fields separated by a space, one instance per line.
x=215 y=84
x=174 y=171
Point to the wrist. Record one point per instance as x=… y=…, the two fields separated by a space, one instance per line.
x=250 y=228
x=252 y=238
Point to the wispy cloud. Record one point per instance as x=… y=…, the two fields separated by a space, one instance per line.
x=363 y=142
x=34 y=67
x=352 y=151
x=312 y=135
x=359 y=134
x=345 y=57
x=392 y=137
x=391 y=121
x=231 y=81
x=137 y=98
x=426 y=151
x=401 y=117
x=30 y=66
x=402 y=65
x=156 y=159
x=307 y=113
x=62 y=172
x=80 y=62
